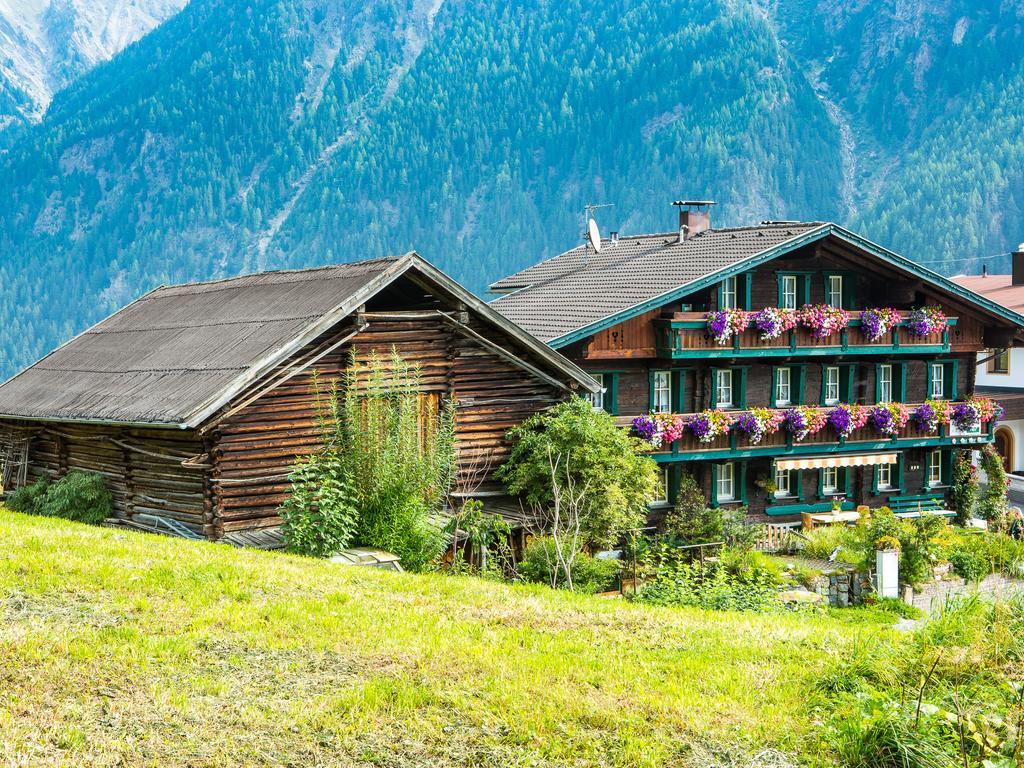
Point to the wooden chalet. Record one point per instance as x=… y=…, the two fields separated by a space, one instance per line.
x=195 y=400
x=634 y=316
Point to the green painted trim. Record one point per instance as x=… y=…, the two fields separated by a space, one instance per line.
x=853 y=349
x=799 y=449
x=797 y=509
x=781 y=249
x=747 y=279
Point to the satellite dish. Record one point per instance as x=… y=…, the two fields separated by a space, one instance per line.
x=594 y=236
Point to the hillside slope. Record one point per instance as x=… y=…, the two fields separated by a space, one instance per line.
x=47 y=44
x=130 y=649
x=286 y=133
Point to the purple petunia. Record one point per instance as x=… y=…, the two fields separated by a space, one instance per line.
x=965 y=417
x=925 y=417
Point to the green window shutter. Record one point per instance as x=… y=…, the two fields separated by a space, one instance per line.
x=946 y=467
x=650 y=390
x=714 y=485
x=824 y=367
x=899 y=474
x=611 y=396
x=797 y=477
x=846 y=377
x=900 y=370
x=797 y=379
x=739 y=383
x=678 y=381
x=952 y=372
x=673 y=483
x=874 y=480
x=741 y=481
x=775 y=386
x=744 y=280
x=713 y=390
x=821 y=484
x=803 y=285
x=849 y=291
x=845 y=482
x=927 y=380
x=778 y=286
x=878 y=382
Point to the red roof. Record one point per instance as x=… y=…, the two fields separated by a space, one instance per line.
x=998 y=288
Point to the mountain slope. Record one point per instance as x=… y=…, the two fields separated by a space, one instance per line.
x=288 y=133
x=46 y=44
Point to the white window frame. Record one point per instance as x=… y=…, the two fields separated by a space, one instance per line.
x=597 y=398
x=827 y=488
x=934 y=469
x=783 y=483
x=729 y=293
x=828 y=384
x=723 y=377
x=662 y=392
x=835 y=291
x=789 y=289
x=885 y=383
x=938 y=377
x=885 y=477
x=663 y=488
x=784 y=386
x=725 y=482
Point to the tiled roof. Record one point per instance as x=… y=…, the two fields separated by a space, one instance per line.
x=578 y=288
x=998 y=288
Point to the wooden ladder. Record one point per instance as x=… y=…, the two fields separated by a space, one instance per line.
x=13 y=457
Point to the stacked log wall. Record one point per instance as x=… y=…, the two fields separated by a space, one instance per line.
x=142 y=467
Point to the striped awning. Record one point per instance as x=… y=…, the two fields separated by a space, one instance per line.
x=848 y=460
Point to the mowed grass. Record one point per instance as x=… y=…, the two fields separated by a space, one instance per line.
x=119 y=648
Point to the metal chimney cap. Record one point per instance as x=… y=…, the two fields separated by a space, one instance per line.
x=1020 y=248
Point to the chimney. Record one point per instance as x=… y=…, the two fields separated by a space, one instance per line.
x=1017 y=267
x=694 y=217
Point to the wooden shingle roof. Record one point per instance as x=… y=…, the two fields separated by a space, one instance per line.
x=178 y=353
x=579 y=288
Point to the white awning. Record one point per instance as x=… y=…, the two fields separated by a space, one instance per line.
x=848 y=460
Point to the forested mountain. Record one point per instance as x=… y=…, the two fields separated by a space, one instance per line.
x=287 y=133
x=47 y=44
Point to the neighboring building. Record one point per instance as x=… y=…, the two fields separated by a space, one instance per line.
x=195 y=400
x=1001 y=370
x=634 y=316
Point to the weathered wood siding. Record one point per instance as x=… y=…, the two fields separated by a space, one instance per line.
x=143 y=467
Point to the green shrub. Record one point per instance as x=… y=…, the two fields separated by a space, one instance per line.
x=589 y=574
x=821 y=542
x=79 y=496
x=964 y=487
x=992 y=505
x=694 y=523
x=319 y=518
x=28 y=498
x=969 y=565
x=727 y=583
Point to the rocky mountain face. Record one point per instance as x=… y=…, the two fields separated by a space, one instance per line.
x=283 y=133
x=46 y=44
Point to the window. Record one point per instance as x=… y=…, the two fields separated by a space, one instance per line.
x=831 y=384
x=789 y=283
x=597 y=398
x=885 y=383
x=884 y=476
x=728 y=293
x=938 y=390
x=726 y=482
x=662 y=395
x=830 y=480
x=783 y=484
x=723 y=389
x=783 y=386
x=834 y=292
x=1000 y=361
x=662 y=497
x=935 y=468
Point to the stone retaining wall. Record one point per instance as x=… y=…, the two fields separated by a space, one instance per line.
x=934 y=593
x=843 y=588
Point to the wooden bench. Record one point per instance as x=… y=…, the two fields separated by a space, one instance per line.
x=922 y=504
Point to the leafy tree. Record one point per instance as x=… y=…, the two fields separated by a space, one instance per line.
x=964 y=487
x=581 y=451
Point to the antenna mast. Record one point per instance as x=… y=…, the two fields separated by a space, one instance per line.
x=591 y=233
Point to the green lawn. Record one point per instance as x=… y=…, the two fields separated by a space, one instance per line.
x=120 y=648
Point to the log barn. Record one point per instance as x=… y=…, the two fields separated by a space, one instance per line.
x=195 y=400
x=635 y=313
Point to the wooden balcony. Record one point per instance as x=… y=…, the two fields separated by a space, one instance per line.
x=736 y=445
x=685 y=335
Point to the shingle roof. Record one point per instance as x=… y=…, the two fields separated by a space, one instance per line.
x=175 y=355
x=998 y=288
x=577 y=288
x=162 y=356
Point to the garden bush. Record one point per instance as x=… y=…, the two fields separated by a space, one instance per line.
x=320 y=517
x=969 y=565
x=79 y=496
x=27 y=498
x=590 y=575
x=692 y=522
